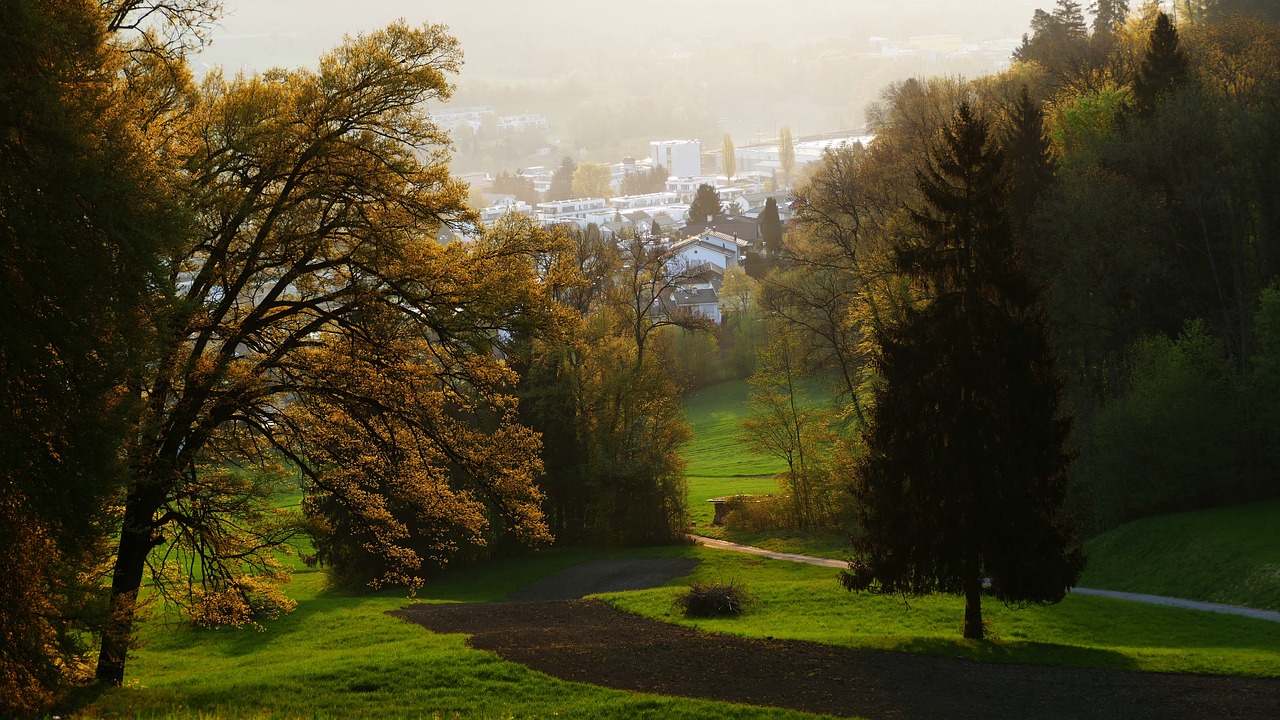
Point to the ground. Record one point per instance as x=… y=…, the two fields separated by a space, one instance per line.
x=589 y=641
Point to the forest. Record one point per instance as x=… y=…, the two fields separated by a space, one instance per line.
x=1054 y=288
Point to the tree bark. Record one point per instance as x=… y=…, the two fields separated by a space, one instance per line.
x=126 y=580
x=973 y=607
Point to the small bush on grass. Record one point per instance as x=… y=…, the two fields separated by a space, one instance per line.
x=714 y=600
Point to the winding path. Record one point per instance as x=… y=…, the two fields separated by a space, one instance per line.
x=1117 y=595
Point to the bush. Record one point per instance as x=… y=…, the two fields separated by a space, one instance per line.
x=757 y=513
x=714 y=600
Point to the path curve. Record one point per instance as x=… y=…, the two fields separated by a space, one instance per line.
x=1269 y=615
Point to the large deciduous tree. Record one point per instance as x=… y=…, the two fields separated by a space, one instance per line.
x=965 y=466
x=316 y=323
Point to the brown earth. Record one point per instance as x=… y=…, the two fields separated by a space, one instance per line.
x=589 y=641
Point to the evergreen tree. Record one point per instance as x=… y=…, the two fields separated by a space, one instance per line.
x=1163 y=68
x=965 y=464
x=1109 y=16
x=562 y=180
x=1029 y=162
x=770 y=227
x=706 y=204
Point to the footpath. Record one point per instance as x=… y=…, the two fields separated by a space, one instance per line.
x=1269 y=615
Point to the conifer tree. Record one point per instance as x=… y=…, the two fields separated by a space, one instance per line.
x=1163 y=68
x=965 y=464
x=706 y=204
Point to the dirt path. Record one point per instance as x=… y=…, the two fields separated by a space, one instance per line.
x=589 y=641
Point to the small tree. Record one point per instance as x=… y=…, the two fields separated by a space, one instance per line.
x=562 y=180
x=592 y=180
x=786 y=154
x=706 y=204
x=770 y=227
x=730 y=157
x=965 y=464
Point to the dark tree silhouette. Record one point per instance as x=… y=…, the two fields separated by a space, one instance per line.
x=1163 y=68
x=706 y=203
x=965 y=464
x=770 y=226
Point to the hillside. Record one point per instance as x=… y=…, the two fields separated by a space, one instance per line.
x=1227 y=555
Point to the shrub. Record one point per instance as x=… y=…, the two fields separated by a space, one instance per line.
x=714 y=600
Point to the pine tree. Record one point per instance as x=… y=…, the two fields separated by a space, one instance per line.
x=1029 y=165
x=1163 y=69
x=770 y=227
x=706 y=204
x=965 y=464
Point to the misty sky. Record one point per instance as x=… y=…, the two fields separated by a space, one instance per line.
x=740 y=66
x=257 y=34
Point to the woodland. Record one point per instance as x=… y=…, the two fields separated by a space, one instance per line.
x=1037 y=305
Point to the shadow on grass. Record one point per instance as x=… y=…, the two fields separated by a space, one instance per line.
x=1017 y=652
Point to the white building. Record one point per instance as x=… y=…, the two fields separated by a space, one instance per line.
x=579 y=211
x=682 y=158
x=709 y=246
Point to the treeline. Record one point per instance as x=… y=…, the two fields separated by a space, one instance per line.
x=1140 y=158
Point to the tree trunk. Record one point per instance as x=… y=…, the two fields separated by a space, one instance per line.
x=126 y=580
x=973 y=607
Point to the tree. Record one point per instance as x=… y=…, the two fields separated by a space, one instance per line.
x=592 y=180
x=706 y=204
x=785 y=423
x=1109 y=16
x=317 y=324
x=643 y=182
x=786 y=153
x=562 y=180
x=1163 y=68
x=730 y=157
x=965 y=465
x=521 y=187
x=85 y=210
x=770 y=227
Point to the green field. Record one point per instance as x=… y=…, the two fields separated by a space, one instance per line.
x=718 y=463
x=1227 y=555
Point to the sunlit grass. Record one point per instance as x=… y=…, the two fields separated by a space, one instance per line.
x=340 y=656
x=803 y=602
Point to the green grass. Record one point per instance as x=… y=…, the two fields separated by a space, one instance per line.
x=339 y=655
x=1227 y=555
x=805 y=602
x=715 y=414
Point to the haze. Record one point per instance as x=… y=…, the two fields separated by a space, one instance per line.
x=610 y=76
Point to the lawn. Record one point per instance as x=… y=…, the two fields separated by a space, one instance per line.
x=1227 y=555
x=804 y=602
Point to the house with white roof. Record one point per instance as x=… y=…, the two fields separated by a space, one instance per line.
x=716 y=248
